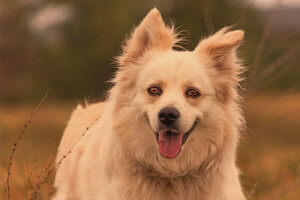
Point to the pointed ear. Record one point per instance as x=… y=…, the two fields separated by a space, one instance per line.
x=151 y=33
x=220 y=45
x=219 y=54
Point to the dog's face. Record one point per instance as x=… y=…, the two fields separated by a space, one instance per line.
x=175 y=104
x=173 y=92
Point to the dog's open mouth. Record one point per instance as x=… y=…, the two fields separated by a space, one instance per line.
x=170 y=141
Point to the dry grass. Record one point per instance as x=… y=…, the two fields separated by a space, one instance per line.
x=270 y=151
x=35 y=151
x=269 y=155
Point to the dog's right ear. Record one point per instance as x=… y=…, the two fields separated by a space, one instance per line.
x=151 y=33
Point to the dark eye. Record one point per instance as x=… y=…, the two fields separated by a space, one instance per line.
x=193 y=93
x=154 y=91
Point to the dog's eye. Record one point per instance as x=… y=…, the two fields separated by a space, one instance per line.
x=154 y=91
x=192 y=93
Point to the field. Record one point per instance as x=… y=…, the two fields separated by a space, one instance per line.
x=269 y=154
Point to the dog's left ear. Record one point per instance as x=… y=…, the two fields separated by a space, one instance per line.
x=151 y=33
x=220 y=45
x=223 y=62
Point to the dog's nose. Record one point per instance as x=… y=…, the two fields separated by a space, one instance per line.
x=168 y=115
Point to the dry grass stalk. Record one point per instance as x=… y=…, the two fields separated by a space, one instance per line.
x=260 y=47
x=18 y=141
x=277 y=76
x=50 y=170
x=278 y=63
x=207 y=17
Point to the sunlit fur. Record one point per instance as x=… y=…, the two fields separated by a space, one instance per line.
x=118 y=158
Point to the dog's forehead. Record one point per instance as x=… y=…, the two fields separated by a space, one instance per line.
x=173 y=59
x=173 y=65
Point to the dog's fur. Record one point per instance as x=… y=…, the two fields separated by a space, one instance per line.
x=119 y=158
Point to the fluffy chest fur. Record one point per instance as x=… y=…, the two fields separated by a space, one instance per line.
x=137 y=185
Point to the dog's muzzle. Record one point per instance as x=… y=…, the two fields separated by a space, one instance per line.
x=170 y=141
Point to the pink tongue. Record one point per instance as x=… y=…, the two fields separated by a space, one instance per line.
x=169 y=144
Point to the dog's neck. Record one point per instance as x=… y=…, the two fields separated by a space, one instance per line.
x=150 y=171
x=193 y=183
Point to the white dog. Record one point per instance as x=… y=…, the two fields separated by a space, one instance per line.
x=169 y=128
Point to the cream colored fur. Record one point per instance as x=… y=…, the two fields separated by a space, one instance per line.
x=118 y=157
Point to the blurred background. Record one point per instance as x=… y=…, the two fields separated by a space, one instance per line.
x=69 y=46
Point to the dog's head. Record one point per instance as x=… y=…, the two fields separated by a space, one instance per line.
x=176 y=108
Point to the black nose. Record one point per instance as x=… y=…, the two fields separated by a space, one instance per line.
x=168 y=115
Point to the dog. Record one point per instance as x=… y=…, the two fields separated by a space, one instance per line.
x=169 y=128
